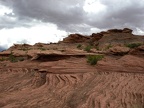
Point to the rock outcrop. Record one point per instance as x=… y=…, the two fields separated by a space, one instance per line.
x=103 y=39
x=119 y=50
x=119 y=37
x=138 y=51
x=20 y=46
x=125 y=30
x=95 y=37
x=59 y=76
x=75 y=38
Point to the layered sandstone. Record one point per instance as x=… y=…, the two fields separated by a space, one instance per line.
x=59 y=76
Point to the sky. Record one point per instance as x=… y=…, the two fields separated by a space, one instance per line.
x=32 y=21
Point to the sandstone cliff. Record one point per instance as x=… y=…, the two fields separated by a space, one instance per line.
x=59 y=76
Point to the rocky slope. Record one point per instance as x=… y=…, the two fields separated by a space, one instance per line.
x=59 y=76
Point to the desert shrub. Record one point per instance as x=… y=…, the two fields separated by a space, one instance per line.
x=55 y=48
x=2 y=59
x=109 y=46
x=79 y=46
x=62 y=50
x=42 y=49
x=12 y=58
x=25 y=49
x=97 y=48
x=21 y=59
x=133 y=45
x=88 y=48
x=93 y=59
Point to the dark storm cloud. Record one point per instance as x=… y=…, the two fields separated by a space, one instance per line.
x=63 y=13
x=70 y=16
x=7 y=21
x=122 y=13
x=1 y=49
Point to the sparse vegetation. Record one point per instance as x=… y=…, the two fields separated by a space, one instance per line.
x=2 y=59
x=12 y=58
x=42 y=49
x=93 y=59
x=109 y=46
x=133 y=45
x=79 y=46
x=25 y=49
x=21 y=59
x=62 y=50
x=88 y=48
x=97 y=48
x=55 y=48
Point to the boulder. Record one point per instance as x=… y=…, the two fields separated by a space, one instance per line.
x=96 y=36
x=119 y=50
x=141 y=48
x=127 y=30
x=137 y=51
x=20 y=46
x=115 y=31
x=75 y=38
x=39 y=44
x=119 y=37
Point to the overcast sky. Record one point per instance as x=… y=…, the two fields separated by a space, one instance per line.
x=31 y=21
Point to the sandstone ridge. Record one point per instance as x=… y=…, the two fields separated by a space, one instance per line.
x=57 y=75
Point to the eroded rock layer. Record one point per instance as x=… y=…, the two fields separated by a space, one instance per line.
x=75 y=90
x=60 y=76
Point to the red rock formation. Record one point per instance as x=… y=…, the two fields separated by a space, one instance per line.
x=60 y=77
x=127 y=30
x=115 y=31
x=75 y=38
x=95 y=37
x=138 y=51
x=102 y=39
x=119 y=37
x=73 y=83
x=119 y=50
x=20 y=46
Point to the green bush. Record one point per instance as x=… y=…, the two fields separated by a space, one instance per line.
x=2 y=59
x=97 y=48
x=133 y=45
x=109 y=46
x=21 y=59
x=25 y=49
x=42 y=49
x=93 y=59
x=12 y=58
x=79 y=46
x=88 y=48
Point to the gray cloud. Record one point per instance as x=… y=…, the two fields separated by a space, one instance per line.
x=128 y=13
x=70 y=16
x=62 y=13
x=1 y=49
x=24 y=41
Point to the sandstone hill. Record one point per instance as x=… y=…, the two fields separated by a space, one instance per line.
x=103 y=70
